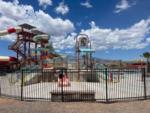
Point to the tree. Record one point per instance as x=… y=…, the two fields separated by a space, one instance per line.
x=147 y=56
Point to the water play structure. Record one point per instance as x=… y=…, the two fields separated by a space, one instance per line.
x=84 y=51
x=33 y=49
x=31 y=46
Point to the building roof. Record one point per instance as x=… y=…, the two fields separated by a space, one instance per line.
x=35 y=31
x=27 y=26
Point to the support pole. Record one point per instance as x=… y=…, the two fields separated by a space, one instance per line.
x=106 y=74
x=62 y=92
x=0 y=89
x=78 y=52
x=144 y=75
x=22 y=82
x=36 y=56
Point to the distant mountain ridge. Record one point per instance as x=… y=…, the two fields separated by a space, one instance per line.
x=98 y=60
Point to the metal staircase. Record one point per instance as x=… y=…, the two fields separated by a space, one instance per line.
x=17 y=47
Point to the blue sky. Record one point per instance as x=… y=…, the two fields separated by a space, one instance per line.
x=119 y=29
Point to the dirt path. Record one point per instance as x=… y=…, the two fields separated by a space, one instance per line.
x=15 y=106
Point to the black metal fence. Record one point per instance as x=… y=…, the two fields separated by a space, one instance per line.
x=103 y=85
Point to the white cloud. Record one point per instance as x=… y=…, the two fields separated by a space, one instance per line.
x=11 y=37
x=67 y=42
x=16 y=2
x=86 y=4
x=133 y=37
x=19 y=14
x=123 y=5
x=62 y=8
x=92 y=24
x=45 y=3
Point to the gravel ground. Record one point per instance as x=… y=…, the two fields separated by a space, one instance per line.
x=15 y=106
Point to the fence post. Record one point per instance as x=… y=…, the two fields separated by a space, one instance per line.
x=62 y=93
x=61 y=75
x=144 y=77
x=106 y=74
x=0 y=88
x=22 y=81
